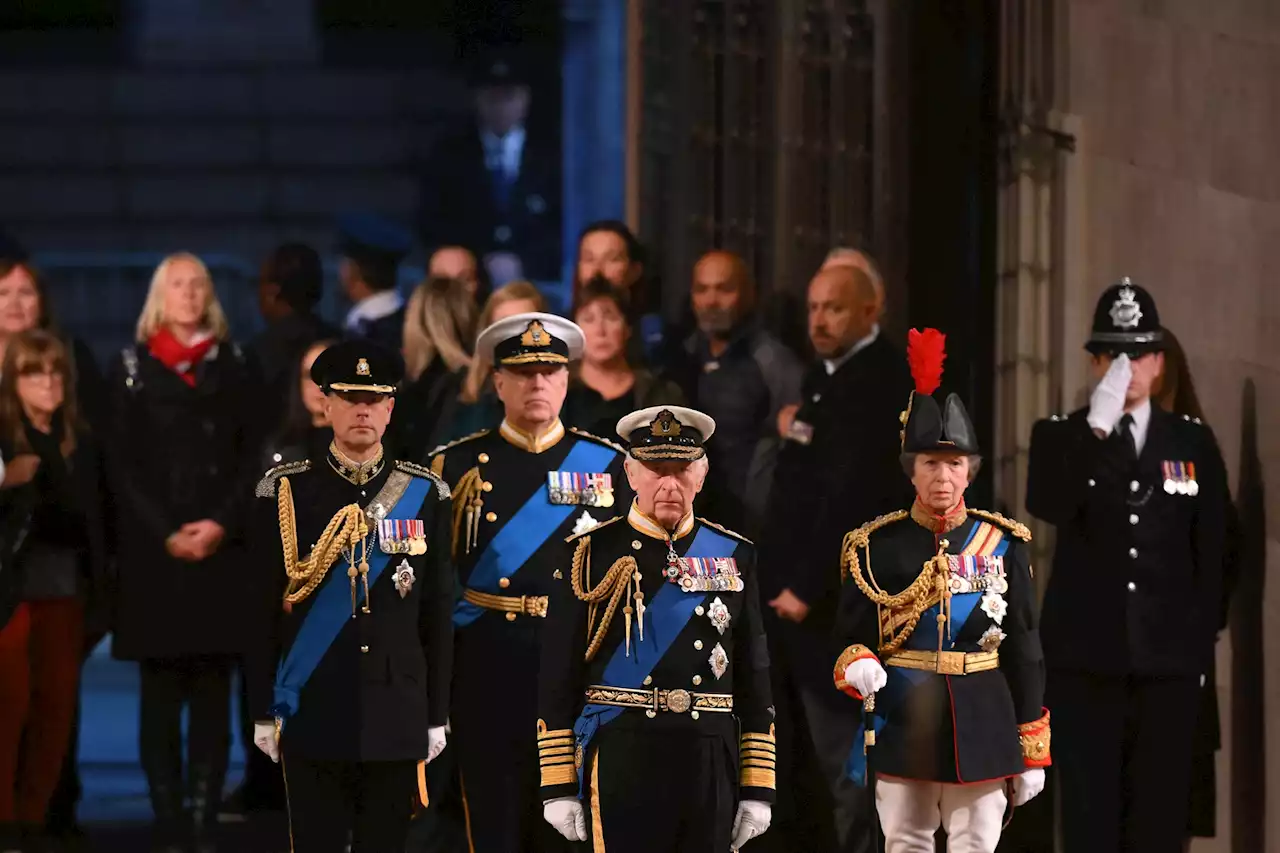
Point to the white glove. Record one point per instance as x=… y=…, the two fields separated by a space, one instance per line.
x=752 y=819
x=1106 y=405
x=865 y=676
x=264 y=738
x=1026 y=785
x=565 y=814
x=435 y=742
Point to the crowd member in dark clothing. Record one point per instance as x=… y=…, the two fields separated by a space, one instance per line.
x=609 y=250
x=289 y=289
x=54 y=588
x=439 y=332
x=182 y=451
x=838 y=469
x=742 y=376
x=606 y=378
x=372 y=249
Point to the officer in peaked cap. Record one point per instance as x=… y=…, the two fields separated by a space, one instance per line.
x=372 y=248
x=351 y=666
x=943 y=650
x=655 y=716
x=1139 y=499
x=519 y=490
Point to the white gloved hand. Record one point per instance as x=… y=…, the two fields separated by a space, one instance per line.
x=264 y=738
x=752 y=819
x=565 y=814
x=865 y=676
x=1026 y=785
x=1106 y=405
x=436 y=740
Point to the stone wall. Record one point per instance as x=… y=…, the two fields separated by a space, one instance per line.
x=1178 y=103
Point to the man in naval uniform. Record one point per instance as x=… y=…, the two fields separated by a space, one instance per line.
x=349 y=677
x=1139 y=498
x=655 y=727
x=944 y=652
x=518 y=492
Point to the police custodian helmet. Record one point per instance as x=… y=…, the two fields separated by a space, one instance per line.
x=1125 y=321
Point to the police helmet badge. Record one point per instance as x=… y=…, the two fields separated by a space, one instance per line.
x=1125 y=311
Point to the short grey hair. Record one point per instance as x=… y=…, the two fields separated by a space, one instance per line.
x=909 y=464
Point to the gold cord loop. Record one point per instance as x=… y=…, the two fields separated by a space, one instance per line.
x=345 y=534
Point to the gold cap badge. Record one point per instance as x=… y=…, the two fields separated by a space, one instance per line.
x=535 y=335
x=665 y=424
x=362 y=367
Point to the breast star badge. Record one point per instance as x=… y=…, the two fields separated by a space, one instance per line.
x=403 y=578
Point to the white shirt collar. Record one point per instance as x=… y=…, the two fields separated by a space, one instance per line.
x=375 y=307
x=834 y=364
x=1141 y=422
x=503 y=151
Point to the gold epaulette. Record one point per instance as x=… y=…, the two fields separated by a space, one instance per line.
x=442 y=448
x=860 y=537
x=266 y=487
x=442 y=488
x=605 y=523
x=723 y=529
x=606 y=442
x=1017 y=528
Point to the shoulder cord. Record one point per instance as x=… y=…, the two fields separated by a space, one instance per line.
x=345 y=532
x=614 y=587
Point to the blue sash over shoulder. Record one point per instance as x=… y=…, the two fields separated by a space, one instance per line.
x=521 y=537
x=665 y=617
x=331 y=608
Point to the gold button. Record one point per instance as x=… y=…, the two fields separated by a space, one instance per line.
x=651 y=713
x=693 y=714
x=648 y=679
x=490 y=516
x=364 y=650
x=635 y=544
x=487 y=486
x=697 y=679
x=483 y=458
x=697 y=644
x=698 y=610
x=504 y=582
x=511 y=617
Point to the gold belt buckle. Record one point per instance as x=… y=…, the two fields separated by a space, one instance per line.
x=679 y=701
x=950 y=663
x=534 y=605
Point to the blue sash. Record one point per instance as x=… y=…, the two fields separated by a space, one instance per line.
x=331 y=609
x=666 y=616
x=901 y=681
x=522 y=536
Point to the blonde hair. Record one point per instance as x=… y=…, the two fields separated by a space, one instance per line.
x=152 y=316
x=478 y=375
x=439 y=318
x=36 y=348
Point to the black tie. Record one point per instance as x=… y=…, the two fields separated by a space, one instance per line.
x=1126 y=432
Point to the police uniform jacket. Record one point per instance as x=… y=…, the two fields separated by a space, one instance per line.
x=1137 y=568
x=963 y=726
x=720 y=652
x=385 y=678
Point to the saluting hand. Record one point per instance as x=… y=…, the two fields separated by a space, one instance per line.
x=1106 y=404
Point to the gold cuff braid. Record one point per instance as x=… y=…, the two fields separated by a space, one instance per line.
x=759 y=758
x=557 y=755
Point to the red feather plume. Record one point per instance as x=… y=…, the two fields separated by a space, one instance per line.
x=926 y=350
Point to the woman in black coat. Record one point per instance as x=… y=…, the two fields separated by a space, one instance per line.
x=183 y=450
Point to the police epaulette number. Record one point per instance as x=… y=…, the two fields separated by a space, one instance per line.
x=266 y=487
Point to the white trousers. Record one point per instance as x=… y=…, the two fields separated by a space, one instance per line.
x=911 y=812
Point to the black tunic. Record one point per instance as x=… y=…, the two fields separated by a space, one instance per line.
x=385 y=679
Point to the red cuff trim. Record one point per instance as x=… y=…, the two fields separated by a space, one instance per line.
x=1035 y=740
x=855 y=652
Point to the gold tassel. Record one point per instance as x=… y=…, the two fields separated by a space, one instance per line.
x=639 y=607
x=351 y=573
x=627 y=612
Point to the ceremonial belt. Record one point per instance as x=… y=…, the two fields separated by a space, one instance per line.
x=945 y=663
x=526 y=605
x=655 y=700
x=526 y=531
x=401 y=497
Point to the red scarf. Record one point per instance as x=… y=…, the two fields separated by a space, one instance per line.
x=179 y=357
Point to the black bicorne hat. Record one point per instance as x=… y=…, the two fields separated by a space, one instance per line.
x=660 y=433
x=926 y=426
x=358 y=366
x=1125 y=321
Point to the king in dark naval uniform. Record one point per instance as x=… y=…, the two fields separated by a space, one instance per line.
x=350 y=674
x=944 y=652
x=518 y=492
x=654 y=700
x=1139 y=497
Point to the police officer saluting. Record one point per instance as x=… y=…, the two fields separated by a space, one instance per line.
x=1139 y=497
x=358 y=637
x=940 y=615
x=656 y=726
x=518 y=492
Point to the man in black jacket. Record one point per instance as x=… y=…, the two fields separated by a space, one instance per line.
x=837 y=469
x=354 y=657
x=372 y=249
x=1139 y=498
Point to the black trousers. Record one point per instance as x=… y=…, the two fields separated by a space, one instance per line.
x=1122 y=747
x=667 y=792
x=203 y=686
x=367 y=803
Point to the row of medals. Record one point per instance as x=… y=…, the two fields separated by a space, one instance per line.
x=677 y=573
x=414 y=546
